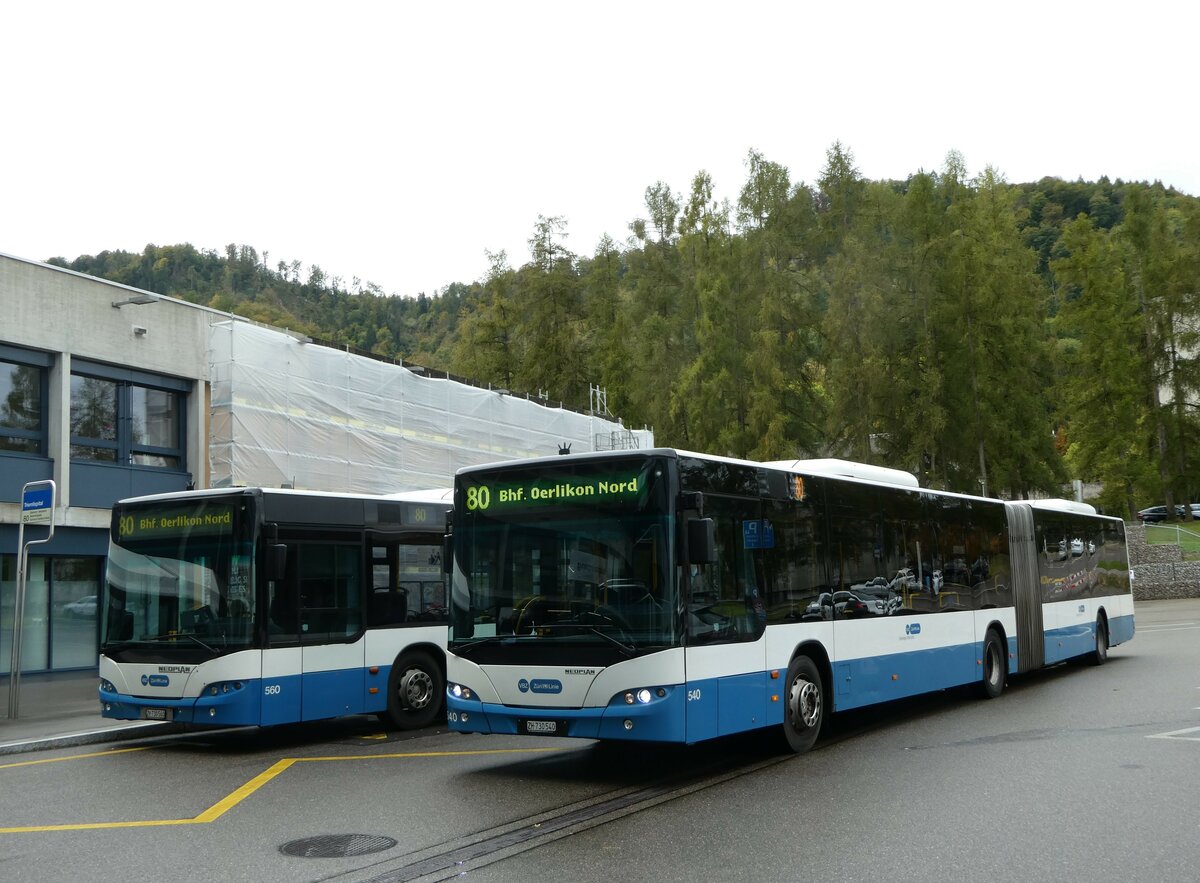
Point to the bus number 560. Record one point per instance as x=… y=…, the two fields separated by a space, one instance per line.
x=273 y=689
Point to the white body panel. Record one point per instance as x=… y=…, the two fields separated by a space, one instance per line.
x=183 y=681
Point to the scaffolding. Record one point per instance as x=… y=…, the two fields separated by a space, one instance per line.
x=288 y=412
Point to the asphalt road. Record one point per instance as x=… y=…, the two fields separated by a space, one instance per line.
x=1075 y=773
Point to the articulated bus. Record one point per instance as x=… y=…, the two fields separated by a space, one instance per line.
x=675 y=597
x=257 y=606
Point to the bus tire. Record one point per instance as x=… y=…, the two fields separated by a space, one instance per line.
x=416 y=692
x=1099 y=656
x=804 y=712
x=994 y=668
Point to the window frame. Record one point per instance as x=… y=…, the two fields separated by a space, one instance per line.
x=124 y=448
x=40 y=362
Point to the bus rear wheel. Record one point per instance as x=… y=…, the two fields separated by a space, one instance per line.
x=994 y=668
x=416 y=691
x=804 y=714
x=1099 y=656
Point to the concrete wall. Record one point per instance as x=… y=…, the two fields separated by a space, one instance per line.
x=1159 y=569
x=71 y=316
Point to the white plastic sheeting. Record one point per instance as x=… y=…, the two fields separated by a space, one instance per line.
x=285 y=412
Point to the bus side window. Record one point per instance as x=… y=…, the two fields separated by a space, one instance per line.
x=330 y=590
x=727 y=599
x=388 y=603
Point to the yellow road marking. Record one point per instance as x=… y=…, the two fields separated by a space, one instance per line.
x=5 y=766
x=225 y=804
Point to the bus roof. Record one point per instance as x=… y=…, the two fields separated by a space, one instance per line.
x=434 y=495
x=1063 y=506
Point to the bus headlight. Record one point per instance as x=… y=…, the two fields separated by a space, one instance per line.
x=458 y=691
x=642 y=696
x=107 y=686
x=226 y=687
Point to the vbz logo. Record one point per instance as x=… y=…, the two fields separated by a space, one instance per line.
x=912 y=628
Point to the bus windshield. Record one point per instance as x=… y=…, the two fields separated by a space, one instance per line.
x=577 y=554
x=181 y=577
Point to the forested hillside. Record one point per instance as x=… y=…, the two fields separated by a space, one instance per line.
x=990 y=337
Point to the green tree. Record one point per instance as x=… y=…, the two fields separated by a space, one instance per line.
x=1104 y=398
x=486 y=349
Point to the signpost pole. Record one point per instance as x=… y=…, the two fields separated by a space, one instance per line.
x=37 y=507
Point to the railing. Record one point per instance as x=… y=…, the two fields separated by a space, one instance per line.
x=1184 y=537
x=616 y=441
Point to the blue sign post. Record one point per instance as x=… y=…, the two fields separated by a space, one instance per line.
x=37 y=507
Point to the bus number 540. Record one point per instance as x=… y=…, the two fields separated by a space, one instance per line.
x=693 y=696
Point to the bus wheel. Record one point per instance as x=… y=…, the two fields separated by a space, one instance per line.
x=416 y=691
x=1099 y=656
x=805 y=712
x=994 y=669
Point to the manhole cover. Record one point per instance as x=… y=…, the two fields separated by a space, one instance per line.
x=337 y=845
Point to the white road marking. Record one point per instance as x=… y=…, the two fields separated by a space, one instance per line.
x=1181 y=627
x=1179 y=734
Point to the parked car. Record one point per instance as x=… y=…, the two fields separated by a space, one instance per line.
x=82 y=608
x=850 y=605
x=1153 y=514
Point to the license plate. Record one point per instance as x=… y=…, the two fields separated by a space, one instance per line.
x=156 y=714
x=541 y=728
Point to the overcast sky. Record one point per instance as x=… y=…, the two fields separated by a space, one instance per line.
x=400 y=143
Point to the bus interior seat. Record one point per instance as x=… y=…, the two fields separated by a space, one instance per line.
x=388 y=607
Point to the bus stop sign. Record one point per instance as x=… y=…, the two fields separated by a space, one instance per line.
x=37 y=504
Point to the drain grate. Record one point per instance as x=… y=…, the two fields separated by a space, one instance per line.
x=337 y=845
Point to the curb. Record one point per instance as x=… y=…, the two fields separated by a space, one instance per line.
x=128 y=732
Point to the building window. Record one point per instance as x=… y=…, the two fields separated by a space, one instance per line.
x=93 y=419
x=155 y=423
x=22 y=408
x=118 y=421
x=59 y=628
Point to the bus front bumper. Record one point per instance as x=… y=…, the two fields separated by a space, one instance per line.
x=230 y=705
x=660 y=720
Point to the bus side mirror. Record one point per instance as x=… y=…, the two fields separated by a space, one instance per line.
x=448 y=553
x=702 y=541
x=275 y=560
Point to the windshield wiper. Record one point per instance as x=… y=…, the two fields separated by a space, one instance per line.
x=629 y=649
x=466 y=648
x=188 y=635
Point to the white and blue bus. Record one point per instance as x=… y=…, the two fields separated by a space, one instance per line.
x=256 y=606
x=668 y=596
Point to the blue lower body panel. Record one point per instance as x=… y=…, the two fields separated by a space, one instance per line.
x=234 y=707
x=1120 y=630
x=1080 y=640
x=866 y=681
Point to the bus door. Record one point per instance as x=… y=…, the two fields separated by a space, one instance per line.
x=281 y=659
x=725 y=658
x=331 y=623
x=313 y=666
x=1027 y=587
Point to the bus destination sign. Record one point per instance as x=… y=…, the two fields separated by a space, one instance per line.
x=551 y=491
x=149 y=523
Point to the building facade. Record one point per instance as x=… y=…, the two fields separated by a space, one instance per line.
x=102 y=390
x=113 y=392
